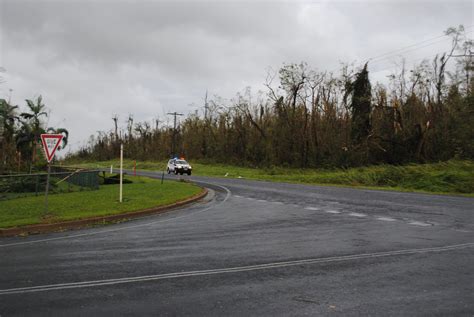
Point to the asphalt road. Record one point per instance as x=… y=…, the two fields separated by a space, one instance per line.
x=255 y=249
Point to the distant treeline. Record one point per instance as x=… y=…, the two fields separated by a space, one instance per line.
x=315 y=119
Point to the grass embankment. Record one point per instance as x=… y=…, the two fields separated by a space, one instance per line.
x=452 y=177
x=143 y=193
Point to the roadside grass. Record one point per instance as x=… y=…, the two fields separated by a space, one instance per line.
x=56 y=187
x=143 y=193
x=451 y=177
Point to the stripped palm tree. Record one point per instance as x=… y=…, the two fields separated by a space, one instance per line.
x=33 y=118
x=8 y=118
x=62 y=131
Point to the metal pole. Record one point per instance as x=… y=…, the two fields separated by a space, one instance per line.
x=121 y=171
x=47 y=190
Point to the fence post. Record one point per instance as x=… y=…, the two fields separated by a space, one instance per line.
x=36 y=185
x=46 y=191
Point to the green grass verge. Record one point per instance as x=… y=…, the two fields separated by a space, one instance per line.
x=452 y=177
x=55 y=188
x=143 y=193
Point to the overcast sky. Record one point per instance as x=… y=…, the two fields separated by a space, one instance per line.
x=93 y=59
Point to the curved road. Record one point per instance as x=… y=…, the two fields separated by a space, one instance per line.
x=255 y=248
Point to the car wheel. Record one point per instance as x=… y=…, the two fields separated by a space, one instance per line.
x=180 y=173
x=189 y=173
x=168 y=170
x=175 y=172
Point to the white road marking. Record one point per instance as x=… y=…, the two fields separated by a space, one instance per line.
x=332 y=211
x=386 y=219
x=261 y=200
x=420 y=223
x=310 y=261
x=277 y=203
x=237 y=196
x=357 y=214
x=311 y=208
x=126 y=227
x=250 y=198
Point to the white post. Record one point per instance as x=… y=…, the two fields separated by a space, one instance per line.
x=111 y=169
x=47 y=190
x=121 y=173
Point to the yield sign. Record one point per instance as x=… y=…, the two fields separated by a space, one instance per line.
x=50 y=144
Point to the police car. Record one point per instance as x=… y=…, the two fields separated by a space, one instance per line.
x=178 y=166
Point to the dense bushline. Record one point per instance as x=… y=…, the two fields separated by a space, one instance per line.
x=313 y=118
x=451 y=177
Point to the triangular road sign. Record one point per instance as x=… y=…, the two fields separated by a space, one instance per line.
x=50 y=144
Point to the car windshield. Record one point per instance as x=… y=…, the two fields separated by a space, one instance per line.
x=181 y=162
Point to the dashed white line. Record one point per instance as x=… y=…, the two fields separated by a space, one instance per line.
x=277 y=203
x=332 y=211
x=420 y=223
x=311 y=208
x=357 y=214
x=386 y=219
x=261 y=200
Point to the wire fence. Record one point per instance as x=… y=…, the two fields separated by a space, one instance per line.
x=62 y=180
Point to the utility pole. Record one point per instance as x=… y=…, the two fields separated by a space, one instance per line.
x=115 y=118
x=205 y=107
x=157 y=124
x=175 y=114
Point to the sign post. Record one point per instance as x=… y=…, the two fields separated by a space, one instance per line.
x=121 y=172
x=50 y=145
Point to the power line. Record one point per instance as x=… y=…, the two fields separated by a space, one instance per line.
x=413 y=47
x=415 y=60
x=408 y=61
x=378 y=60
x=401 y=50
x=409 y=48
